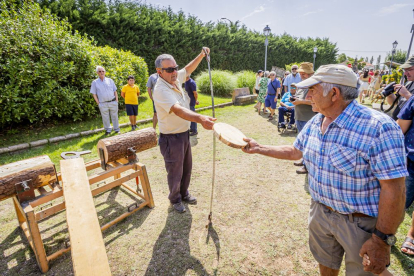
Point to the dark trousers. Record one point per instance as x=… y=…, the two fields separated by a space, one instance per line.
x=176 y=150
x=193 y=126
x=282 y=111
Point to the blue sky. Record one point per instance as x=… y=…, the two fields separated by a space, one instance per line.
x=363 y=28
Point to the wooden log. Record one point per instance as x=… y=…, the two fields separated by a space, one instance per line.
x=229 y=135
x=88 y=249
x=116 y=147
x=40 y=170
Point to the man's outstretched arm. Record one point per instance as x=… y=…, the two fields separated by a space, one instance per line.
x=280 y=152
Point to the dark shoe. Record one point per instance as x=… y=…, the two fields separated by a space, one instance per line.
x=107 y=133
x=193 y=133
x=270 y=118
x=298 y=163
x=407 y=245
x=190 y=199
x=302 y=170
x=282 y=125
x=179 y=207
x=118 y=132
x=289 y=126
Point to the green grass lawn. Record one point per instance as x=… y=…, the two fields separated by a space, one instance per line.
x=29 y=133
x=260 y=214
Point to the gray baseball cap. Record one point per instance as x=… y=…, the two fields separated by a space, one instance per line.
x=409 y=63
x=331 y=73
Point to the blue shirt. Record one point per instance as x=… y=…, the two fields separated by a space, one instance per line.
x=285 y=99
x=407 y=113
x=152 y=80
x=291 y=79
x=361 y=147
x=190 y=87
x=104 y=89
x=272 y=86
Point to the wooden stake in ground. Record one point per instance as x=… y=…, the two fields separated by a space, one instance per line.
x=87 y=246
x=116 y=147
x=40 y=170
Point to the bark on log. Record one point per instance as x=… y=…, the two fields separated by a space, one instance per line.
x=116 y=147
x=40 y=170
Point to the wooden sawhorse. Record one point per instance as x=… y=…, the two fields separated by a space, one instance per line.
x=28 y=218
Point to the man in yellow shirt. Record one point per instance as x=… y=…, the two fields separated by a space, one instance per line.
x=130 y=93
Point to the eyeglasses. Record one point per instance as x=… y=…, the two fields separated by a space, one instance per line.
x=101 y=71
x=170 y=69
x=294 y=69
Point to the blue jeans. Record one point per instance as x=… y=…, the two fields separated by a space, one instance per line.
x=409 y=190
x=282 y=111
x=300 y=125
x=193 y=126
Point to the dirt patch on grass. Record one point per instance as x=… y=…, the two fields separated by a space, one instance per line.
x=260 y=213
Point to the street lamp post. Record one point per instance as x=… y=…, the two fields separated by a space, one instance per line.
x=223 y=18
x=411 y=42
x=266 y=32
x=394 y=46
x=315 y=49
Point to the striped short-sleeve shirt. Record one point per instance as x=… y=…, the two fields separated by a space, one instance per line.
x=359 y=148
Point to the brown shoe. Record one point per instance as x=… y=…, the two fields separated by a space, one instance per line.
x=298 y=163
x=302 y=170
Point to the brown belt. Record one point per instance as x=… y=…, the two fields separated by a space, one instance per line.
x=356 y=215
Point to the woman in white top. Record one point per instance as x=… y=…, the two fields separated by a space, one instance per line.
x=259 y=75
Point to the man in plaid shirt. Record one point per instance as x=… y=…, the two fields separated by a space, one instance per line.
x=356 y=161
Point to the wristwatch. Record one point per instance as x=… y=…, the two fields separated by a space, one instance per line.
x=388 y=239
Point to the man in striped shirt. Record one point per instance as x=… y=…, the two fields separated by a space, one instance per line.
x=356 y=162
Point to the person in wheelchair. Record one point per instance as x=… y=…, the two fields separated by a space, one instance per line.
x=286 y=106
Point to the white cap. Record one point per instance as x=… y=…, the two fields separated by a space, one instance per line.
x=331 y=73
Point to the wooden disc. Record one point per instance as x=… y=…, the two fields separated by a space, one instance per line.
x=229 y=135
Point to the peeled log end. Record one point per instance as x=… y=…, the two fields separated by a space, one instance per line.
x=116 y=147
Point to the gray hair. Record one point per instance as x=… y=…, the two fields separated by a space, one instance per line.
x=272 y=73
x=161 y=58
x=99 y=67
x=266 y=74
x=348 y=93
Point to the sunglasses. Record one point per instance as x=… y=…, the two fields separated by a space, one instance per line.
x=294 y=69
x=170 y=69
x=101 y=71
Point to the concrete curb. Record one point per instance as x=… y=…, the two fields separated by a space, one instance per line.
x=84 y=133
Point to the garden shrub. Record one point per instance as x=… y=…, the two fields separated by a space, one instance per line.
x=46 y=70
x=288 y=67
x=224 y=82
x=395 y=76
x=246 y=79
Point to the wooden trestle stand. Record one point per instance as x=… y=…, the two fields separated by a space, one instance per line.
x=25 y=201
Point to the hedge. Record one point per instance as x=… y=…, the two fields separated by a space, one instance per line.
x=150 y=30
x=46 y=69
x=224 y=82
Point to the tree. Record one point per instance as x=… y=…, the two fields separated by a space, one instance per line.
x=341 y=58
x=399 y=56
x=149 y=31
x=371 y=60
x=378 y=62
